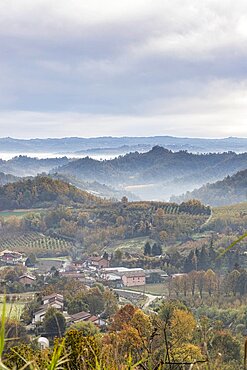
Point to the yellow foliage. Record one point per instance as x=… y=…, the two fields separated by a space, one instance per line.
x=182 y=326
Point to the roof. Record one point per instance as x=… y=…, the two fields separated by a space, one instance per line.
x=112 y=277
x=42 y=309
x=96 y=258
x=156 y=271
x=80 y=316
x=27 y=276
x=120 y=269
x=134 y=274
x=6 y=251
x=93 y=318
x=54 y=295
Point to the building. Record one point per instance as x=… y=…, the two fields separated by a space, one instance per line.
x=155 y=276
x=53 y=300
x=8 y=257
x=27 y=280
x=123 y=276
x=40 y=314
x=133 y=278
x=78 y=317
x=85 y=317
x=97 y=262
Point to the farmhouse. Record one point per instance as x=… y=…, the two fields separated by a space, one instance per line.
x=133 y=278
x=53 y=300
x=8 y=257
x=27 y=280
x=155 y=276
x=127 y=276
x=86 y=316
x=97 y=262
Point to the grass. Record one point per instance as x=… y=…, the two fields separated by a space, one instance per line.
x=13 y=310
x=135 y=245
x=155 y=289
x=18 y=212
x=59 y=259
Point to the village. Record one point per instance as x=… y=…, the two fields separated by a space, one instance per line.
x=25 y=275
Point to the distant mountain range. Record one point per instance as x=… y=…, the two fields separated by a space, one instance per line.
x=75 y=144
x=231 y=190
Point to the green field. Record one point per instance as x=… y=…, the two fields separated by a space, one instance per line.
x=18 y=212
x=13 y=310
x=156 y=289
x=135 y=245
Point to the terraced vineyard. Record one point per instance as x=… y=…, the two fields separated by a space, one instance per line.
x=35 y=243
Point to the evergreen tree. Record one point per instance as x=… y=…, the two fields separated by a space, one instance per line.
x=156 y=250
x=147 y=249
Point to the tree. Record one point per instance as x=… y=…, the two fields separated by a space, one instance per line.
x=156 y=250
x=210 y=281
x=110 y=303
x=229 y=347
x=147 y=249
x=182 y=326
x=122 y=317
x=124 y=200
x=86 y=328
x=95 y=301
x=31 y=260
x=15 y=333
x=54 y=322
x=231 y=282
x=118 y=255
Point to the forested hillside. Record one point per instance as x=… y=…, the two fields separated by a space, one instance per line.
x=96 y=188
x=231 y=190
x=26 y=166
x=6 y=178
x=175 y=171
x=42 y=192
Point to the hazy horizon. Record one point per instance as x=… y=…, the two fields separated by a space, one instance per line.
x=122 y=136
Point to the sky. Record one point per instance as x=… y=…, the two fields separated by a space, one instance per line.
x=123 y=68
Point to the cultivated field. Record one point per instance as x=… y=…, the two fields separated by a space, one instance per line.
x=34 y=242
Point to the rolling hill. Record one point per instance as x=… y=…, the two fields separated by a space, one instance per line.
x=160 y=168
x=25 y=166
x=231 y=190
x=42 y=192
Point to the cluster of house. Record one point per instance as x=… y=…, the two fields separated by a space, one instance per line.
x=97 y=268
x=90 y=270
x=56 y=300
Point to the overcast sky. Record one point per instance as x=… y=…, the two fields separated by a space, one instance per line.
x=114 y=67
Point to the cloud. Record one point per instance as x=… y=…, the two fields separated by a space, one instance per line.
x=179 y=64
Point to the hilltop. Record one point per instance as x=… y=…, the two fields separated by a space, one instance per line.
x=169 y=172
x=231 y=190
x=25 y=166
x=43 y=192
